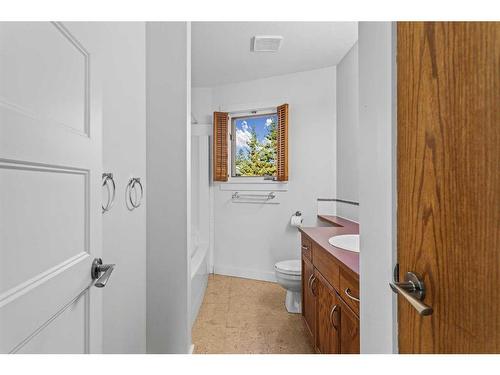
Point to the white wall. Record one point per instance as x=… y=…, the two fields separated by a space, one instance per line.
x=124 y=155
x=201 y=104
x=251 y=238
x=169 y=170
x=348 y=134
x=377 y=186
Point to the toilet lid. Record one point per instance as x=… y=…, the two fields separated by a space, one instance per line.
x=291 y=267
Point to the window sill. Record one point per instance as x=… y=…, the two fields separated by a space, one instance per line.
x=253 y=184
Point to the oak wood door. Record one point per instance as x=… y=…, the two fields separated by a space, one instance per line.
x=50 y=187
x=448 y=173
x=309 y=299
x=349 y=330
x=327 y=324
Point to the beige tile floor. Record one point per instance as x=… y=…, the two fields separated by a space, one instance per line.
x=247 y=316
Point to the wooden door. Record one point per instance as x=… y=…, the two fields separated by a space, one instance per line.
x=309 y=299
x=327 y=322
x=349 y=330
x=50 y=195
x=448 y=163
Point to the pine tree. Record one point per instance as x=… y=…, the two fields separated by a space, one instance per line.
x=269 y=149
x=260 y=158
x=240 y=162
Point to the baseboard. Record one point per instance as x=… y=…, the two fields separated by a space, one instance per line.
x=245 y=273
x=197 y=300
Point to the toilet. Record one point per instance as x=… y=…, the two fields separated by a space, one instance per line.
x=288 y=275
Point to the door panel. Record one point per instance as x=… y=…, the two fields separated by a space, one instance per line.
x=50 y=196
x=71 y=321
x=44 y=73
x=327 y=336
x=349 y=330
x=449 y=183
x=46 y=209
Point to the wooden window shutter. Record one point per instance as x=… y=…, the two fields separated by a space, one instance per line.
x=220 y=146
x=282 y=144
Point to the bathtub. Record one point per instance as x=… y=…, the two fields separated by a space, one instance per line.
x=199 y=277
x=201 y=196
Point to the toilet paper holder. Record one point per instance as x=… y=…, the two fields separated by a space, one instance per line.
x=296 y=219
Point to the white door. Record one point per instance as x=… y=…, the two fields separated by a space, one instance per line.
x=50 y=196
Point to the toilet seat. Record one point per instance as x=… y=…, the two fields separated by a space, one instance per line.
x=289 y=267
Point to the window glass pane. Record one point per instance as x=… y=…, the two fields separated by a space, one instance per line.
x=255 y=145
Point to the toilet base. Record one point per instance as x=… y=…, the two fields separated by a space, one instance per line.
x=293 y=302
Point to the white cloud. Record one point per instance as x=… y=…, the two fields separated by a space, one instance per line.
x=243 y=136
x=269 y=121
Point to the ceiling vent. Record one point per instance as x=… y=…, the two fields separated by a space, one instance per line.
x=266 y=43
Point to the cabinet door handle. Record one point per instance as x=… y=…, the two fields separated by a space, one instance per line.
x=304 y=247
x=309 y=281
x=311 y=285
x=334 y=308
x=347 y=291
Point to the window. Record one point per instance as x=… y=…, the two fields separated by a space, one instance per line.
x=258 y=144
x=254 y=145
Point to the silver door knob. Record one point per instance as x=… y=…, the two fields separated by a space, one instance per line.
x=101 y=272
x=413 y=290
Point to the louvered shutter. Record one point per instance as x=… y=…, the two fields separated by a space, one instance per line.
x=220 y=146
x=282 y=144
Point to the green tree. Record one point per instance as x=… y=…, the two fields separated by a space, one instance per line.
x=241 y=163
x=247 y=163
x=269 y=149
x=260 y=158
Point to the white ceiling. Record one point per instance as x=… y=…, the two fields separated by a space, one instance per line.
x=221 y=50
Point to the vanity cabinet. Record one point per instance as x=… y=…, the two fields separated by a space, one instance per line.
x=327 y=337
x=349 y=332
x=308 y=297
x=330 y=301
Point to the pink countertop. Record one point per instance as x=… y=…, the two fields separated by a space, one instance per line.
x=320 y=235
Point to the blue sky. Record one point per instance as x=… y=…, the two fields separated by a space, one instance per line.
x=243 y=127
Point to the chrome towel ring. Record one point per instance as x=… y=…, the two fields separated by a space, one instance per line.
x=134 y=201
x=106 y=178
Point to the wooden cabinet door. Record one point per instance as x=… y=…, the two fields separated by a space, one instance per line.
x=349 y=330
x=327 y=322
x=308 y=297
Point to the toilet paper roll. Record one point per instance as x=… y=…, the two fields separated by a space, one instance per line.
x=296 y=221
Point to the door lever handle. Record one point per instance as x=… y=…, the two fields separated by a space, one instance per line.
x=413 y=290
x=97 y=272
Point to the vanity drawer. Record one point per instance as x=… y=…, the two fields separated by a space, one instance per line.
x=349 y=290
x=324 y=263
x=306 y=247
